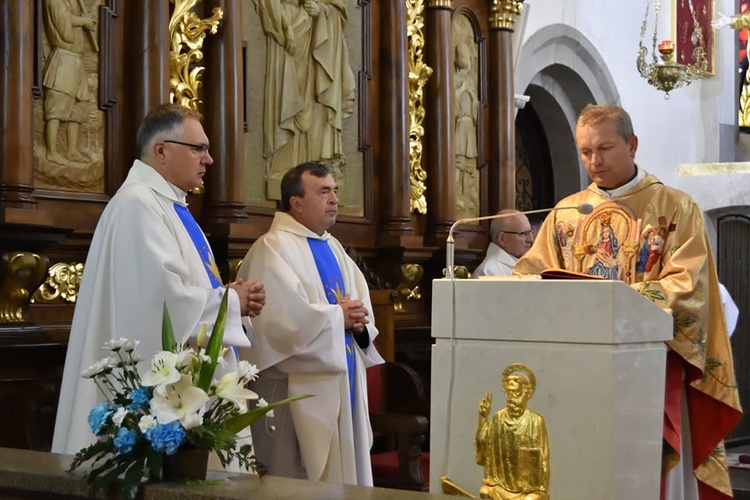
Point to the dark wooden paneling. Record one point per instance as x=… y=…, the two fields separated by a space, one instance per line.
x=733 y=266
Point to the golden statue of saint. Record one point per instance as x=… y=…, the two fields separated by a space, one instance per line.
x=512 y=445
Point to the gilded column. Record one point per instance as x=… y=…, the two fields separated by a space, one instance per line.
x=394 y=128
x=439 y=130
x=223 y=108
x=16 y=82
x=502 y=139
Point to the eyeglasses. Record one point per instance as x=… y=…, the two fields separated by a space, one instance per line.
x=201 y=149
x=530 y=232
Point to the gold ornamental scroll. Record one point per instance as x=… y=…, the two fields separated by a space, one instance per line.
x=186 y=33
x=419 y=73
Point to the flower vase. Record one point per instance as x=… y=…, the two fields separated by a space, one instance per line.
x=185 y=465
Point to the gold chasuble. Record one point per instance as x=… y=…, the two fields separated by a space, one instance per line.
x=653 y=238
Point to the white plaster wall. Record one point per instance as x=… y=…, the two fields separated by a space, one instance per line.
x=681 y=130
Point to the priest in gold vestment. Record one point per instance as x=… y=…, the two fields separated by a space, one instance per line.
x=653 y=237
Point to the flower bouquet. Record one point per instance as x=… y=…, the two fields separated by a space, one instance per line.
x=176 y=405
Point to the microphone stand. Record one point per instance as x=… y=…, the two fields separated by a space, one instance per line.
x=449 y=243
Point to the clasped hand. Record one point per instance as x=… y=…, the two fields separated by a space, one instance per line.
x=252 y=296
x=355 y=314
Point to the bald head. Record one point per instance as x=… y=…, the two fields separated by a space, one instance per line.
x=512 y=233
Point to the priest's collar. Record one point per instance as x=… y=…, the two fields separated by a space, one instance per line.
x=285 y=222
x=179 y=193
x=145 y=173
x=640 y=174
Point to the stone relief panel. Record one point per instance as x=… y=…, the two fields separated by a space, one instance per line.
x=69 y=127
x=466 y=81
x=303 y=62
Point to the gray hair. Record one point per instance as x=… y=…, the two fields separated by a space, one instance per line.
x=165 y=119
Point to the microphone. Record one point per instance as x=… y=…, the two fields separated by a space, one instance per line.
x=583 y=208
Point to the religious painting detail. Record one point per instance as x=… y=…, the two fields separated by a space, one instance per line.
x=512 y=445
x=309 y=89
x=466 y=80
x=612 y=243
x=689 y=36
x=69 y=130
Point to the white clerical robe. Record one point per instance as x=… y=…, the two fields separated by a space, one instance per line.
x=300 y=346
x=141 y=256
x=497 y=262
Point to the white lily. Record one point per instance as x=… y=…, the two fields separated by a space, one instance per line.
x=231 y=387
x=163 y=371
x=180 y=401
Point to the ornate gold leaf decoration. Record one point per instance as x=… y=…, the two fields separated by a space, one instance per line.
x=419 y=73
x=412 y=275
x=744 y=111
x=503 y=13
x=187 y=32
x=63 y=281
x=19 y=273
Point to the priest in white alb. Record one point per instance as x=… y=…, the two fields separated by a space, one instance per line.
x=314 y=337
x=148 y=251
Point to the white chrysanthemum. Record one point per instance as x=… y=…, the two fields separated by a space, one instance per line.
x=247 y=371
x=127 y=345
x=119 y=416
x=180 y=401
x=134 y=359
x=262 y=403
x=99 y=367
x=231 y=387
x=163 y=371
x=146 y=422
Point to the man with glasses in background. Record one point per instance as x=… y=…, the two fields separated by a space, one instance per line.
x=510 y=238
x=148 y=252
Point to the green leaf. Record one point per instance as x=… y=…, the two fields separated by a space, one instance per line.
x=167 y=332
x=238 y=422
x=133 y=478
x=155 y=462
x=214 y=345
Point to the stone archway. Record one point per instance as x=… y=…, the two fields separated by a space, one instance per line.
x=561 y=70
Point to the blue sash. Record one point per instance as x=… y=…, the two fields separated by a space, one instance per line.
x=201 y=245
x=333 y=283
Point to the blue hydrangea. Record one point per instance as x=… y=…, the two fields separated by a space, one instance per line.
x=166 y=438
x=139 y=398
x=98 y=417
x=125 y=440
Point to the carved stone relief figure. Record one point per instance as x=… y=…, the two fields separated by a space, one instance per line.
x=467 y=106
x=68 y=147
x=309 y=85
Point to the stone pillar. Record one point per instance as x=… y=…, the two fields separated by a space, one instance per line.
x=223 y=105
x=393 y=164
x=16 y=118
x=439 y=129
x=502 y=130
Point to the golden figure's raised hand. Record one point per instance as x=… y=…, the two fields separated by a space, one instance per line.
x=485 y=404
